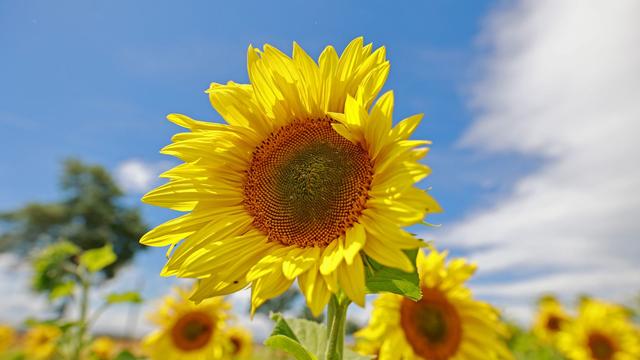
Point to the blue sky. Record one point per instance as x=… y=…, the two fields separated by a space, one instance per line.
x=94 y=80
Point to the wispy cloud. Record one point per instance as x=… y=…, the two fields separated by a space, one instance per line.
x=562 y=83
x=137 y=176
x=15 y=277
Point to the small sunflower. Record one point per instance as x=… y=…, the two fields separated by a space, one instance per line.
x=550 y=319
x=103 y=348
x=305 y=176
x=447 y=323
x=188 y=331
x=240 y=343
x=7 y=337
x=602 y=331
x=41 y=342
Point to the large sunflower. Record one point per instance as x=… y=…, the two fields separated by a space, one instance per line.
x=188 y=331
x=602 y=331
x=447 y=323
x=550 y=319
x=305 y=177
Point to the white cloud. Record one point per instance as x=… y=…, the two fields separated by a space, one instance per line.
x=137 y=176
x=15 y=277
x=562 y=84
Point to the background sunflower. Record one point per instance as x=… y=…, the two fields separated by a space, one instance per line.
x=601 y=331
x=188 y=331
x=447 y=323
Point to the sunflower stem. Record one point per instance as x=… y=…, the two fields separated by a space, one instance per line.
x=336 y=318
x=82 y=321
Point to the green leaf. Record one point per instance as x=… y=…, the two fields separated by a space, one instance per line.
x=281 y=327
x=289 y=345
x=62 y=290
x=125 y=297
x=51 y=266
x=310 y=336
x=380 y=278
x=98 y=259
x=304 y=339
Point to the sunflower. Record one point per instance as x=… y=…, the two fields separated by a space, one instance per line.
x=602 y=331
x=41 y=341
x=550 y=319
x=240 y=343
x=305 y=177
x=447 y=323
x=7 y=337
x=103 y=348
x=186 y=330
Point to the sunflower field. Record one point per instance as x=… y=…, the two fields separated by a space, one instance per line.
x=304 y=221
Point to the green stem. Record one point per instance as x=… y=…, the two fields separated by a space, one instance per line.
x=336 y=318
x=82 y=321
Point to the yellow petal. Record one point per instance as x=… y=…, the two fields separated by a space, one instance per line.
x=298 y=261
x=315 y=290
x=387 y=255
x=189 y=123
x=266 y=288
x=351 y=279
x=269 y=263
x=176 y=229
x=183 y=195
x=331 y=280
x=383 y=229
x=214 y=286
x=355 y=238
x=332 y=256
x=406 y=127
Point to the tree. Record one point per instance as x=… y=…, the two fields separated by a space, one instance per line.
x=90 y=215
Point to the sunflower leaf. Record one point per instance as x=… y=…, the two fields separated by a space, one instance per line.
x=62 y=290
x=312 y=335
x=282 y=327
x=289 y=345
x=380 y=278
x=98 y=259
x=125 y=297
x=309 y=335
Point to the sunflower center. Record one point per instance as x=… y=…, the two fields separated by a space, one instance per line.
x=601 y=346
x=307 y=184
x=432 y=325
x=192 y=331
x=553 y=323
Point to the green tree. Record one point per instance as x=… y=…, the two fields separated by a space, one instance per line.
x=91 y=214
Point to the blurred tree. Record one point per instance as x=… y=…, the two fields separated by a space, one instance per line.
x=90 y=215
x=281 y=303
